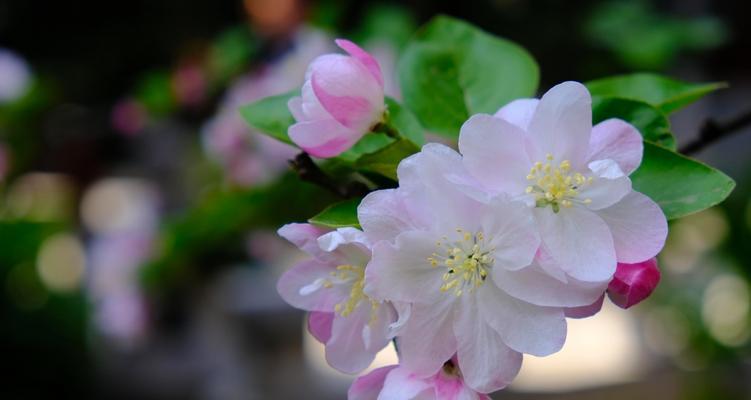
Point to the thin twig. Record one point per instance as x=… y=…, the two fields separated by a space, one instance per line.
x=309 y=171
x=713 y=131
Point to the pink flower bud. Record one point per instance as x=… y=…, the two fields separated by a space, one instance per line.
x=342 y=99
x=633 y=283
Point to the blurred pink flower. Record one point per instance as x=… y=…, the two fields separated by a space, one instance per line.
x=575 y=178
x=128 y=117
x=397 y=383
x=189 y=85
x=342 y=99
x=633 y=283
x=15 y=76
x=353 y=326
x=249 y=157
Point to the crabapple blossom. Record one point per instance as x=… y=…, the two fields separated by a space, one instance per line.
x=395 y=382
x=633 y=283
x=465 y=269
x=574 y=177
x=342 y=99
x=353 y=325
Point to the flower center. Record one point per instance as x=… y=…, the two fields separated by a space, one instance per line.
x=556 y=186
x=466 y=261
x=356 y=275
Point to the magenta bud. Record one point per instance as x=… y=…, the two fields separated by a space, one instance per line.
x=633 y=283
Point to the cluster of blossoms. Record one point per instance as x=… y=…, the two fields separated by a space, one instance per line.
x=479 y=256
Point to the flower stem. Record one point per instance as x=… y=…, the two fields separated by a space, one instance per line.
x=309 y=171
x=713 y=131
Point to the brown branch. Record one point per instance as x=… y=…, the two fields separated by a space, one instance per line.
x=713 y=131
x=309 y=171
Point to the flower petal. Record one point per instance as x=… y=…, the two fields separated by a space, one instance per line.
x=428 y=181
x=510 y=229
x=304 y=287
x=579 y=241
x=340 y=75
x=351 y=347
x=524 y=327
x=518 y=112
x=485 y=361
x=383 y=215
x=353 y=112
x=402 y=272
x=532 y=284
x=494 y=153
x=608 y=187
x=428 y=340
x=585 y=311
x=400 y=383
x=319 y=325
x=367 y=387
x=323 y=138
x=617 y=140
x=363 y=57
x=638 y=226
x=295 y=108
x=562 y=124
x=305 y=236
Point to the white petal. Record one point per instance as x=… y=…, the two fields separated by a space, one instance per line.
x=428 y=340
x=485 y=361
x=302 y=287
x=532 y=284
x=494 y=153
x=346 y=350
x=383 y=215
x=608 y=187
x=524 y=327
x=402 y=272
x=638 y=226
x=519 y=112
x=617 y=140
x=579 y=241
x=562 y=124
x=510 y=230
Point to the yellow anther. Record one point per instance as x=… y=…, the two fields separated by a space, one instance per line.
x=555 y=186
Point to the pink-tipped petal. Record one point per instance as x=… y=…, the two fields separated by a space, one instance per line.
x=362 y=56
x=323 y=138
x=638 y=226
x=616 y=140
x=518 y=112
x=585 y=311
x=319 y=325
x=633 y=283
x=352 y=112
x=305 y=236
x=367 y=387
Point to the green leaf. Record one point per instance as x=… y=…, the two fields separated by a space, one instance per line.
x=668 y=95
x=451 y=70
x=338 y=215
x=386 y=160
x=369 y=143
x=271 y=115
x=652 y=123
x=402 y=119
x=680 y=185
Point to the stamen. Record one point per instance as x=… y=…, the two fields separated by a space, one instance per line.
x=467 y=263
x=555 y=186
